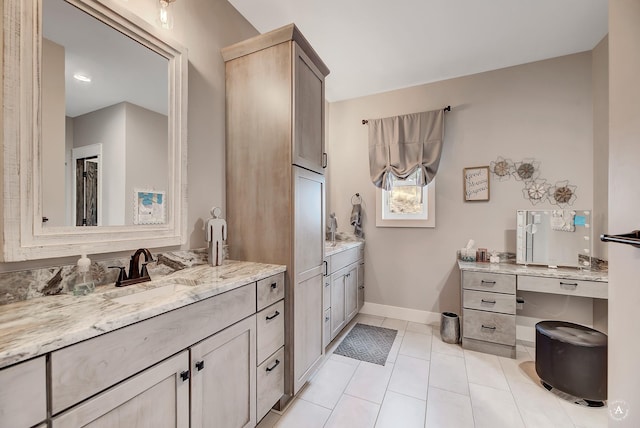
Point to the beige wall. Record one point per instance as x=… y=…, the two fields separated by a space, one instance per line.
x=624 y=205
x=147 y=148
x=53 y=137
x=541 y=110
x=204 y=27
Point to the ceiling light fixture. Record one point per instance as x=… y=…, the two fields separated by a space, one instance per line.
x=82 y=77
x=165 y=14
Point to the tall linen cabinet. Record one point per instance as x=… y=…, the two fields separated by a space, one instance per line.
x=275 y=188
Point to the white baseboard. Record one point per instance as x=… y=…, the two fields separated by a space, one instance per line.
x=406 y=314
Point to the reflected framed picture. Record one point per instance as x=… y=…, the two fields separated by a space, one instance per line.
x=476 y=183
x=149 y=206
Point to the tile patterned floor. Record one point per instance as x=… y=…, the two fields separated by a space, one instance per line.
x=427 y=383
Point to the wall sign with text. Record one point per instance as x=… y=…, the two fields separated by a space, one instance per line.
x=476 y=183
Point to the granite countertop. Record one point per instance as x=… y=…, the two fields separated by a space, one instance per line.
x=331 y=248
x=517 y=269
x=34 y=327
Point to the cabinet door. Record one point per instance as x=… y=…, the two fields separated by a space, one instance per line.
x=338 y=313
x=351 y=292
x=308 y=349
x=308 y=270
x=360 y=285
x=223 y=384
x=23 y=394
x=157 y=397
x=308 y=139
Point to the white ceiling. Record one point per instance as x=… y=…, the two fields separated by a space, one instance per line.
x=373 y=46
x=121 y=69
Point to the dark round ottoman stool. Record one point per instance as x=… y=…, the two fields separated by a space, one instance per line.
x=573 y=359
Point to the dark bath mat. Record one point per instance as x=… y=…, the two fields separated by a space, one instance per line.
x=367 y=343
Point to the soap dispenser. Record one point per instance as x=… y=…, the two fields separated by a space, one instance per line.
x=84 y=280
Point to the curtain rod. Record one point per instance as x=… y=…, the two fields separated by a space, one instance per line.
x=447 y=108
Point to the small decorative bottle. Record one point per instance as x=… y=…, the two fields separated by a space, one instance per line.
x=84 y=280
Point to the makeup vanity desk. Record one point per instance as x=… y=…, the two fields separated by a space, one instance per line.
x=488 y=294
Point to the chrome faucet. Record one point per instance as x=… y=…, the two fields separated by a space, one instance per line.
x=137 y=274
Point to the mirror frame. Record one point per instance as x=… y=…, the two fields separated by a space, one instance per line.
x=23 y=236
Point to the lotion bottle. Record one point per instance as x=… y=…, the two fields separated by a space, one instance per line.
x=84 y=280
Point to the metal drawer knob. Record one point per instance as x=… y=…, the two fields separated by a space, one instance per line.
x=487 y=327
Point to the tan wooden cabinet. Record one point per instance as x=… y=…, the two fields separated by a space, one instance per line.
x=156 y=397
x=23 y=399
x=274 y=183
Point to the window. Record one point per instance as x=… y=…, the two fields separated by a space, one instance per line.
x=406 y=204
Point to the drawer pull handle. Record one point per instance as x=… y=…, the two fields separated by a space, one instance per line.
x=487 y=282
x=493 y=302
x=488 y=327
x=273 y=316
x=570 y=284
x=326 y=267
x=200 y=365
x=327 y=318
x=274 y=285
x=184 y=375
x=326 y=284
x=276 y=364
x=361 y=287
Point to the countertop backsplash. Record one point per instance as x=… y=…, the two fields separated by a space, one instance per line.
x=32 y=283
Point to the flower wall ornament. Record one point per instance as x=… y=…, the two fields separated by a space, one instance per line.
x=502 y=168
x=526 y=170
x=536 y=191
x=562 y=193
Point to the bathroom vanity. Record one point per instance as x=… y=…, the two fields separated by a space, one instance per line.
x=204 y=345
x=488 y=294
x=343 y=290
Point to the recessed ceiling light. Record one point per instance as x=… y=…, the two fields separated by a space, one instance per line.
x=82 y=77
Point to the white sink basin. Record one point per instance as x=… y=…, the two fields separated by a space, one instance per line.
x=145 y=295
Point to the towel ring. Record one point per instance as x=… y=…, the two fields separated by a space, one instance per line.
x=358 y=199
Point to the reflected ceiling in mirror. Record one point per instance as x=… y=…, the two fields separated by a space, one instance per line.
x=104 y=114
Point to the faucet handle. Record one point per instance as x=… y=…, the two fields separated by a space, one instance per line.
x=144 y=272
x=122 y=275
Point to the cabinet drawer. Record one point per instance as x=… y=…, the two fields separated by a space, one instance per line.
x=571 y=287
x=343 y=259
x=23 y=393
x=496 y=282
x=326 y=293
x=82 y=370
x=270 y=290
x=270 y=334
x=487 y=301
x=270 y=383
x=489 y=326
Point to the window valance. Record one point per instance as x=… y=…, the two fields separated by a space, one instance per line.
x=401 y=144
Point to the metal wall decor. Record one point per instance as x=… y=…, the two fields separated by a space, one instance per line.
x=536 y=189
x=502 y=168
x=526 y=170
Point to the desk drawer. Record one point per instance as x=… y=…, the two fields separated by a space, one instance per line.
x=492 y=302
x=570 y=287
x=270 y=330
x=495 y=282
x=270 y=290
x=489 y=326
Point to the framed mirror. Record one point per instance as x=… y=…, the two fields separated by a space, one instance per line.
x=554 y=238
x=94 y=145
